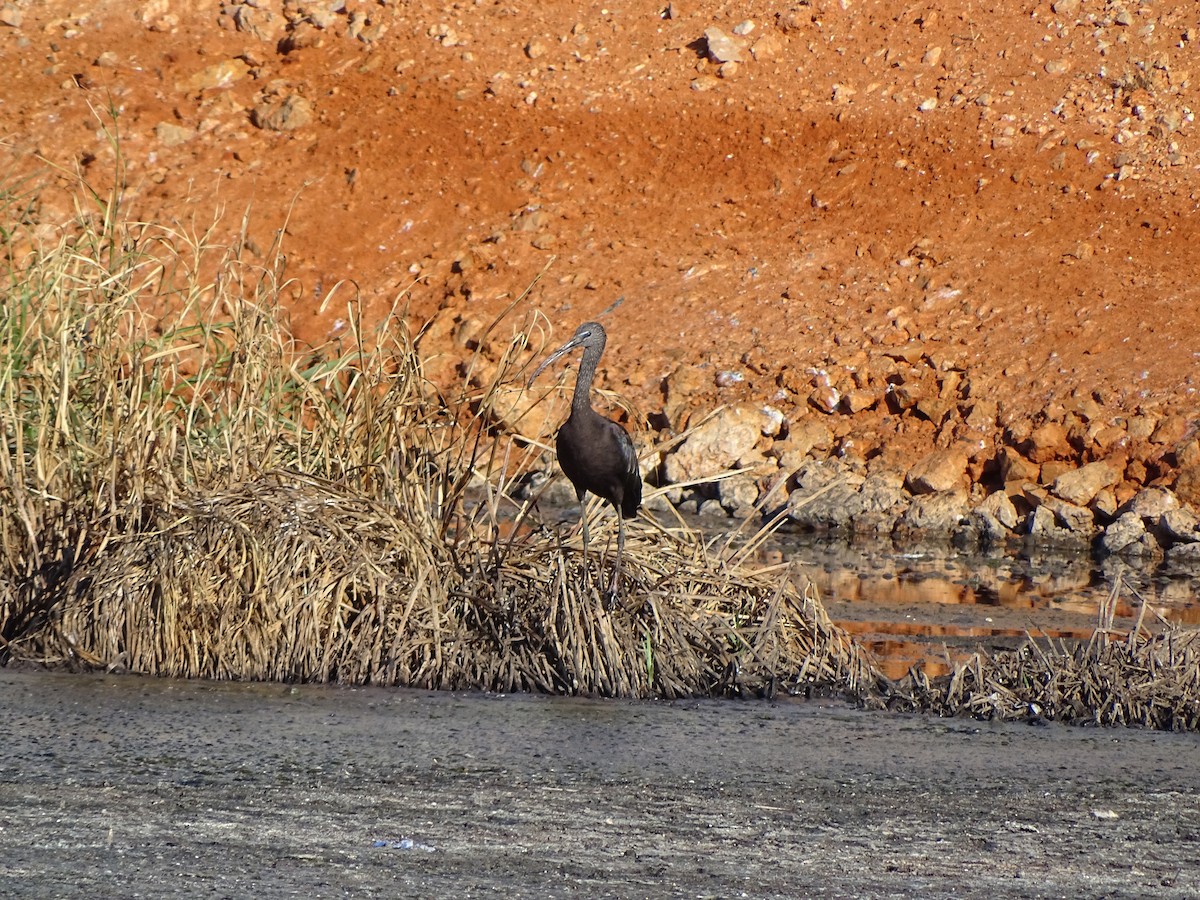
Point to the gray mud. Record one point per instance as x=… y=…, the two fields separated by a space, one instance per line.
x=129 y=787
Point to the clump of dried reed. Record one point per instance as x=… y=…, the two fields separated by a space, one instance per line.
x=1145 y=679
x=185 y=492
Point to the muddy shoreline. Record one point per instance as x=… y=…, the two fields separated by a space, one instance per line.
x=124 y=786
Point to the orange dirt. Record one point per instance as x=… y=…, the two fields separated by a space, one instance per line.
x=980 y=206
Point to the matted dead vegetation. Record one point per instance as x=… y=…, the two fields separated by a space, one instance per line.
x=1151 y=681
x=1142 y=677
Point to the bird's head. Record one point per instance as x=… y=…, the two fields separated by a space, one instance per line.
x=589 y=335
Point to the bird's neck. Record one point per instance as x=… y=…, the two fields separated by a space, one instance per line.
x=581 y=399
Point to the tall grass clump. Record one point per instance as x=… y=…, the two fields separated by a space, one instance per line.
x=184 y=491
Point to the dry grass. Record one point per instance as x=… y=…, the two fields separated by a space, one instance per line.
x=1139 y=678
x=186 y=493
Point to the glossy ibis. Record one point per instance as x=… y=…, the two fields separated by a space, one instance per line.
x=596 y=453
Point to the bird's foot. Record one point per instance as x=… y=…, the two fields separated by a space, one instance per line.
x=611 y=598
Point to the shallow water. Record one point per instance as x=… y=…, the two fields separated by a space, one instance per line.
x=935 y=602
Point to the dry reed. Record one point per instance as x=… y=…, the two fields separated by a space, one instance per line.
x=1145 y=679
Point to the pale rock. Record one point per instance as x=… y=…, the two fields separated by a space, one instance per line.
x=827 y=496
x=803 y=438
x=1184 y=558
x=1080 y=486
x=1150 y=503
x=1124 y=531
x=723 y=47
x=738 y=495
x=942 y=513
x=766 y=47
x=288 y=114
x=999 y=505
x=1045 y=528
x=1180 y=526
x=941 y=470
x=772 y=421
x=1105 y=504
x=171 y=135
x=985 y=527
x=217 y=76
x=718 y=444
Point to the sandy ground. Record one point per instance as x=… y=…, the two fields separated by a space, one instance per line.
x=130 y=787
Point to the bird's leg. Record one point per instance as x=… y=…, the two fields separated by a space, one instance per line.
x=614 y=585
x=584 y=521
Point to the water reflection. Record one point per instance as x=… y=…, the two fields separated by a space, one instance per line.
x=939 y=602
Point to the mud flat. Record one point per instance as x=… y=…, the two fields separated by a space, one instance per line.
x=128 y=787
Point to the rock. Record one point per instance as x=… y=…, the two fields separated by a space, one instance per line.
x=1015 y=467
x=260 y=23
x=1080 y=486
x=941 y=470
x=772 y=422
x=1045 y=528
x=803 y=438
x=827 y=496
x=220 y=75
x=1184 y=559
x=1052 y=469
x=1065 y=516
x=681 y=385
x=998 y=505
x=718 y=444
x=766 y=47
x=1150 y=503
x=738 y=495
x=288 y=114
x=11 y=15
x=304 y=35
x=1122 y=532
x=858 y=399
x=882 y=492
x=723 y=47
x=171 y=135
x=1076 y=519
x=1104 y=504
x=1047 y=442
x=1140 y=427
x=941 y=513
x=985 y=528
x=156 y=16
x=1179 y=526
x=1187 y=485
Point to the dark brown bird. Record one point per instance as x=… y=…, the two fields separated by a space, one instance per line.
x=596 y=453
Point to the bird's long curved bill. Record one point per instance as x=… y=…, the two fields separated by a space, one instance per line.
x=565 y=348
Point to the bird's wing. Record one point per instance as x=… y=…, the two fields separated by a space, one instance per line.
x=632 y=496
